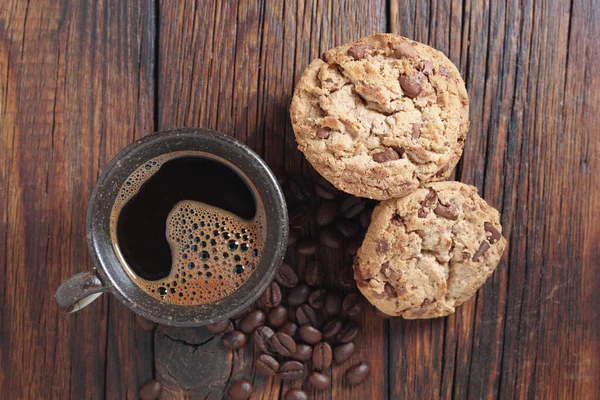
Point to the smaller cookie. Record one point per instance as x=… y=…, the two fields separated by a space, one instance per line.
x=427 y=253
x=380 y=116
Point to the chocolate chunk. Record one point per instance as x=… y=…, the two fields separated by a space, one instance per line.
x=267 y=365
x=309 y=334
x=357 y=373
x=416 y=131
x=390 y=290
x=442 y=170
x=283 y=344
x=272 y=296
x=306 y=315
x=291 y=371
x=326 y=213
x=404 y=50
x=382 y=245
x=252 y=320
x=447 y=211
x=483 y=248
x=427 y=203
x=286 y=276
x=319 y=381
x=412 y=85
x=151 y=390
x=219 y=327
x=343 y=352
x=495 y=234
x=322 y=356
x=303 y=352
x=323 y=133
x=426 y=67
x=397 y=220
x=359 y=51
x=240 y=390
x=262 y=337
x=444 y=71
x=296 y=394
x=385 y=156
x=234 y=340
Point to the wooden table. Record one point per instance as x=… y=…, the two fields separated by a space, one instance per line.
x=79 y=80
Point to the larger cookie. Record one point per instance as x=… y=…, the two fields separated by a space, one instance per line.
x=429 y=252
x=379 y=116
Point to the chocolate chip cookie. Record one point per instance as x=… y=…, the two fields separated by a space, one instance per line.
x=427 y=253
x=379 y=116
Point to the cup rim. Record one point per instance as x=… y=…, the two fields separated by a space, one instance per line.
x=252 y=167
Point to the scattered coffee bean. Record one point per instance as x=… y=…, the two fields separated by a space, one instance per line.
x=331 y=237
x=343 y=352
x=319 y=381
x=300 y=216
x=313 y=274
x=240 y=390
x=325 y=189
x=291 y=371
x=272 y=296
x=283 y=344
x=298 y=295
x=332 y=328
x=348 y=332
x=296 y=394
x=262 y=337
x=306 y=315
x=307 y=246
x=346 y=278
x=364 y=218
x=309 y=334
x=277 y=316
x=322 y=356
x=252 y=320
x=219 y=327
x=298 y=190
x=289 y=328
x=144 y=323
x=352 y=206
x=326 y=213
x=303 y=352
x=317 y=298
x=333 y=303
x=292 y=238
x=351 y=304
x=233 y=340
x=286 y=276
x=353 y=245
x=151 y=390
x=357 y=373
x=267 y=365
x=347 y=227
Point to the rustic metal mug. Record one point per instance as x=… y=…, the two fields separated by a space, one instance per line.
x=109 y=274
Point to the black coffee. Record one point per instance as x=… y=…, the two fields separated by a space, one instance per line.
x=187 y=226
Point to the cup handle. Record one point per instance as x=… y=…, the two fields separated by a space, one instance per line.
x=79 y=290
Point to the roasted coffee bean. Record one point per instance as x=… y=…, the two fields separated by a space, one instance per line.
x=357 y=373
x=343 y=352
x=353 y=245
x=219 y=327
x=322 y=356
x=298 y=190
x=319 y=381
x=351 y=304
x=296 y=394
x=306 y=315
x=289 y=328
x=313 y=273
x=346 y=277
x=303 y=352
x=330 y=237
x=300 y=216
x=241 y=314
x=233 y=340
x=146 y=324
x=333 y=303
x=309 y=334
x=283 y=344
x=298 y=295
x=292 y=237
x=267 y=365
x=307 y=246
x=262 y=337
x=364 y=218
x=332 y=328
x=277 y=316
x=240 y=390
x=352 y=206
x=325 y=189
x=252 y=320
x=291 y=371
x=286 y=276
x=272 y=296
x=151 y=390
x=317 y=298
x=347 y=227
x=326 y=213
x=348 y=332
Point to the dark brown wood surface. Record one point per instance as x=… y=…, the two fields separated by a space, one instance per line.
x=79 y=80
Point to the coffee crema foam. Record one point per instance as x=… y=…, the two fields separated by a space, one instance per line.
x=213 y=251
